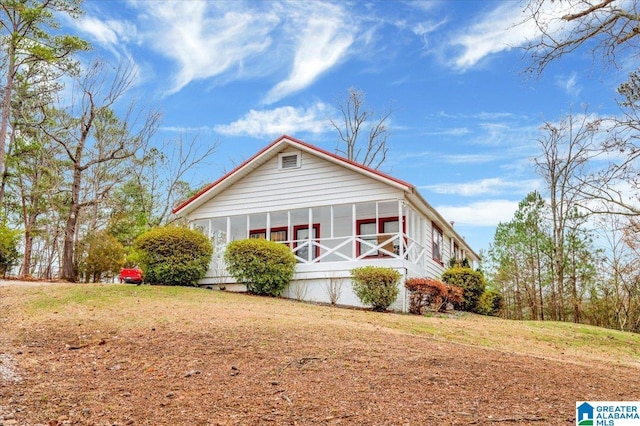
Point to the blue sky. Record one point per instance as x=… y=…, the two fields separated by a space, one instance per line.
x=465 y=115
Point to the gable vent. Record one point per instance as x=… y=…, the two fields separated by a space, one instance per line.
x=289 y=161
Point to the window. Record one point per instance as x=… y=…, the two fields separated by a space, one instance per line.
x=301 y=233
x=277 y=234
x=289 y=160
x=367 y=231
x=457 y=253
x=438 y=242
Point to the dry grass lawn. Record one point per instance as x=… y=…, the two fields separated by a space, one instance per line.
x=142 y=355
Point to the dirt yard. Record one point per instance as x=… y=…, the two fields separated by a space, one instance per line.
x=211 y=358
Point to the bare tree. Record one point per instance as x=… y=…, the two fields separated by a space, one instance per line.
x=163 y=172
x=567 y=148
x=608 y=27
x=356 y=122
x=93 y=136
x=334 y=289
x=615 y=297
x=300 y=290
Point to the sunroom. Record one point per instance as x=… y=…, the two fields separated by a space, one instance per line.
x=385 y=232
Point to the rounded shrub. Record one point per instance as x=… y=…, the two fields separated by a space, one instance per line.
x=490 y=303
x=427 y=292
x=376 y=286
x=8 y=249
x=472 y=283
x=105 y=257
x=172 y=255
x=265 y=267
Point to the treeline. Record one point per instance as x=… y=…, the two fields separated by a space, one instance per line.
x=600 y=273
x=571 y=252
x=81 y=171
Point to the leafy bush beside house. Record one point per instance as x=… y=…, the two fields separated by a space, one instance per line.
x=265 y=267
x=172 y=255
x=376 y=286
x=430 y=293
x=473 y=285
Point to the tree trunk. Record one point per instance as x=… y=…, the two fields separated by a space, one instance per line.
x=540 y=280
x=28 y=250
x=5 y=116
x=518 y=296
x=533 y=302
x=68 y=270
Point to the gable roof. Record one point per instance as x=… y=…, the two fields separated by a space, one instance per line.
x=268 y=152
x=285 y=141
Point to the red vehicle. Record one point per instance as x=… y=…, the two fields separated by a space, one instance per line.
x=131 y=275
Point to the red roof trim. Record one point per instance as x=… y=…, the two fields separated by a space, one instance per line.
x=353 y=163
x=297 y=141
x=224 y=177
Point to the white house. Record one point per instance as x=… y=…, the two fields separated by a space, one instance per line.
x=335 y=215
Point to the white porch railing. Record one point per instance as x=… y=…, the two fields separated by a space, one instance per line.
x=358 y=247
x=321 y=253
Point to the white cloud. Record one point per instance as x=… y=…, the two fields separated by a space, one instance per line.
x=455 y=131
x=468 y=158
x=569 y=84
x=426 y=27
x=449 y=158
x=99 y=30
x=481 y=213
x=322 y=41
x=279 y=121
x=489 y=186
x=235 y=40
x=204 y=39
x=111 y=34
x=503 y=29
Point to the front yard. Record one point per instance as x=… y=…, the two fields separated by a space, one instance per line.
x=127 y=355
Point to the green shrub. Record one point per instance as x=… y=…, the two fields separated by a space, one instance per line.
x=265 y=267
x=104 y=257
x=173 y=255
x=464 y=263
x=472 y=283
x=376 y=286
x=8 y=249
x=490 y=303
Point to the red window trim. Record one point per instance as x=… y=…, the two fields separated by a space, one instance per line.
x=440 y=261
x=381 y=222
x=315 y=226
x=264 y=231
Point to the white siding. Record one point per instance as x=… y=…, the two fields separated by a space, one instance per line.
x=316 y=182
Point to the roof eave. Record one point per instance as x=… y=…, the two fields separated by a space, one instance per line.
x=442 y=221
x=205 y=194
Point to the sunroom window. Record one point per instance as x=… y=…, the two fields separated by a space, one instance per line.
x=378 y=234
x=277 y=234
